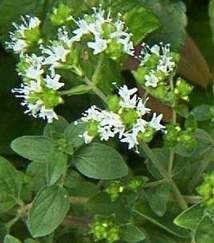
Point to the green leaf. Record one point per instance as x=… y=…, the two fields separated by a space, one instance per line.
x=201 y=113
x=100 y=161
x=211 y=15
x=158 y=197
x=165 y=223
x=56 y=128
x=131 y=233
x=56 y=166
x=33 y=147
x=190 y=218
x=205 y=233
x=11 y=239
x=140 y=22
x=11 y=182
x=48 y=210
x=172 y=16
x=73 y=132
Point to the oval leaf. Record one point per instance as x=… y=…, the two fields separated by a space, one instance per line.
x=190 y=218
x=48 y=210
x=33 y=147
x=100 y=161
x=132 y=234
x=56 y=166
x=11 y=239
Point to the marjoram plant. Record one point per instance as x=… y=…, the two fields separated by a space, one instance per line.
x=119 y=170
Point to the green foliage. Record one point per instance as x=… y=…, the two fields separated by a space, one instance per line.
x=100 y=161
x=48 y=210
x=135 y=166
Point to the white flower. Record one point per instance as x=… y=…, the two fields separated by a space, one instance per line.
x=151 y=80
x=47 y=114
x=56 y=53
x=155 y=122
x=64 y=37
x=155 y=50
x=17 y=41
x=141 y=108
x=139 y=126
x=83 y=29
x=124 y=92
x=93 y=113
x=128 y=97
x=86 y=137
x=99 y=45
x=131 y=139
x=52 y=82
x=34 y=68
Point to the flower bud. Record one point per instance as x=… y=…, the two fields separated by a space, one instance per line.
x=114 y=190
x=113 y=103
x=206 y=190
x=60 y=15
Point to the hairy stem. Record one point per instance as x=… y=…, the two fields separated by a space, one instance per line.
x=182 y=203
x=174 y=118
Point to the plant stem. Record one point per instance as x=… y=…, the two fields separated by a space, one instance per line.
x=98 y=69
x=182 y=203
x=95 y=89
x=174 y=118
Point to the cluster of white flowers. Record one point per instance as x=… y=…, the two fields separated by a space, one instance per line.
x=18 y=39
x=39 y=72
x=98 y=25
x=164 y=63
x=111 y=123
x=39 y=93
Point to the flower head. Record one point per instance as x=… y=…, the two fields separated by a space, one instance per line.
x=127 y=122
x=25 y=35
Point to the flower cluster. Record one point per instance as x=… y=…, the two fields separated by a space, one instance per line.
x=206 y=190
x=156 y=73
x=105 y=229
x=106 y=33
x=116 y=188
x=26 y=35
x=125 y=118
x=158 y=62
x=38 y=91
x=40 y=85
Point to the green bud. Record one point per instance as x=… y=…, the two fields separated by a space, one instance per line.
x=171 y=134
x=206 y=190
x=134 y=184
x=140 y=73
x=183 y=89
x=92 y=128
x=114 y=50
x=107 y=29
x=113 y=103
x=60 y=15
x=147 y=135
x=114 y=190
x=32 y=36
x=104 y=229
x=187 y=140
x=129 y=117
x=152 y=61
x=51 y=98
